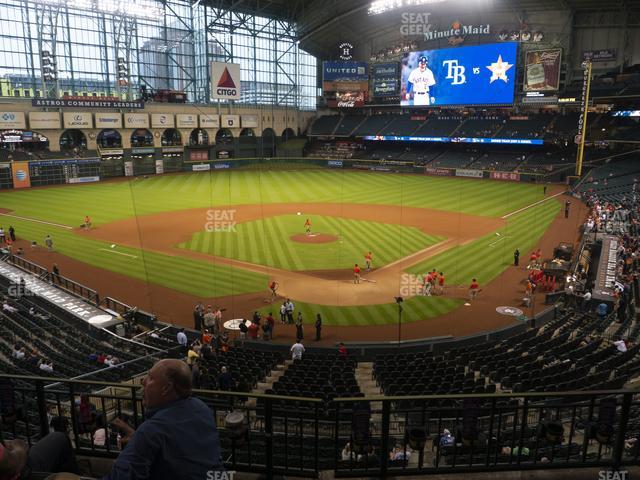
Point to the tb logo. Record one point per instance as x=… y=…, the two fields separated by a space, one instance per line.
x=455 y=72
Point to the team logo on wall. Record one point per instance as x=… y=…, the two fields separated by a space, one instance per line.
x=346 y=51
x=225 y=80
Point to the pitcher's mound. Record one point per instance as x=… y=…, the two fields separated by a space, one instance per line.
x=314 y=238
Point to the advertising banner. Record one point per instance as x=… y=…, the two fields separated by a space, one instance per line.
x=20 y=171
x=512 y=176
x=542 y=70
x=348 y=100
x=159 y=167
x=198 y=155
x=465 y=172
x=12 y=120
x=479 y=75
x=108 y=120
x=249 y=121
x=210 y=121
x=604 y=55
x=495 y=141
x=438 y=172
x=162 y=120
x=230 y=121
x=77 y=120
x=136 y=120
x=384 y=79
x=186 y=120
x=345 y=72
x=202 y=167
x=44 y=120
x=225 y=80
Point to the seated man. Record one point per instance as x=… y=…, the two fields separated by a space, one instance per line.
x=53 y=453
x=178 y=439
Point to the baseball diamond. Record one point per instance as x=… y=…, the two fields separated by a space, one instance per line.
x=220 y=235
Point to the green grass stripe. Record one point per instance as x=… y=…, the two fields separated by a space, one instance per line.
x=267 y=242
x=414 y=309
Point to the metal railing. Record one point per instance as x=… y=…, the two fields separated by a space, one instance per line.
x=59 y=281
x=388 y=436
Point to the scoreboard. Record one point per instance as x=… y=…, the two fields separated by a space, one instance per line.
x=55 y=172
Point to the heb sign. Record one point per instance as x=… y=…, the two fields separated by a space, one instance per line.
x=468 y=173
x=512 y=176
x=438 y=172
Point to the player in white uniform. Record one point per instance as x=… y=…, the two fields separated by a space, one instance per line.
x=420 y=79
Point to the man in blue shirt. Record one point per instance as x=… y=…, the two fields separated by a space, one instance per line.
x=602 y=310
x=177 y=440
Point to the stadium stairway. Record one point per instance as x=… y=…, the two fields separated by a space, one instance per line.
x=273 y=377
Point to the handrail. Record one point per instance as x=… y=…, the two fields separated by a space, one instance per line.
x=374 y=398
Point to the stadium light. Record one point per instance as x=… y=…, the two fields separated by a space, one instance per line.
x=381 y=6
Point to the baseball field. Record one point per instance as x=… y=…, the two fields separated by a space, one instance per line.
x=167 y=241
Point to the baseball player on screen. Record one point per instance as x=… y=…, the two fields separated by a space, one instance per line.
x=419 y=81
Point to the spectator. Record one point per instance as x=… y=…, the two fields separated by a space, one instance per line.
x=253 y=329
x=446 y=439
x=299 y=328
x=621 y=346
x=181 y=337
x=297 y=350
x=225 y=380
x=400 y=453
x=342 y=350
x=269 y=325
x=210 y=320
x=53 y=453
x=179 y=438
x=602 y=311
x=586 y=301
x=318 y=327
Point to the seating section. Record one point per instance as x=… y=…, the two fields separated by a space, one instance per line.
x=372 y=125
x=324 y=125
x=319 y=376
x=44 y=335
x=347 y=125
x=435 y=127
x=479 y=128
x=402 y=125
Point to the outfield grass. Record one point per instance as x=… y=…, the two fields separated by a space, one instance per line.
x=267 y=242
x=110 y=201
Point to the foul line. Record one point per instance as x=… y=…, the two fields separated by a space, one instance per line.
x=119 y=253
x=37 y=221
x=532 y=205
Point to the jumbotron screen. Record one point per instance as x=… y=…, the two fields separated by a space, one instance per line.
x=480 y=75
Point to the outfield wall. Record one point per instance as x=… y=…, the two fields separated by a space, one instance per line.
x=93 y=169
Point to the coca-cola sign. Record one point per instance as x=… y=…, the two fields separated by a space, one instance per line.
x=348 y=100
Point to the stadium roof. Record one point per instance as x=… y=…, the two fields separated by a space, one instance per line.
x=322 y=23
